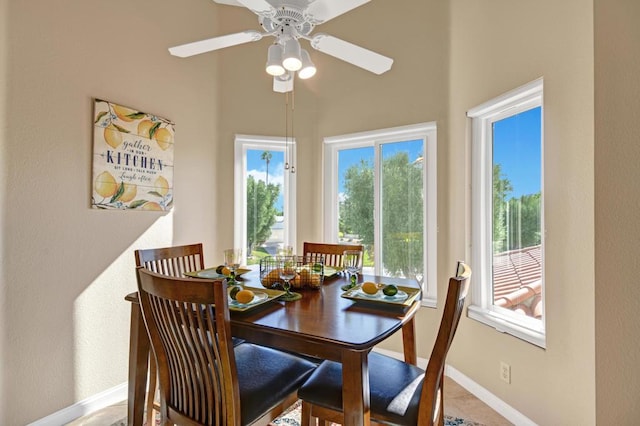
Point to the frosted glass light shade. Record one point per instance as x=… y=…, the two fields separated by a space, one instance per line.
x=274 y=60
x=308 y=69
x=291 y=57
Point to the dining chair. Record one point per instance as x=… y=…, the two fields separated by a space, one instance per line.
x=332 y=253
x=204 y=378
x=173 y=261
x=400 y=393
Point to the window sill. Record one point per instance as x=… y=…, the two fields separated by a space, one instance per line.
x=429 y=302
x=503 y=324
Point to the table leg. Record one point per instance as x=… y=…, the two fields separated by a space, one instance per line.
x=138 y=364
x=409 y=342
x=355 y=388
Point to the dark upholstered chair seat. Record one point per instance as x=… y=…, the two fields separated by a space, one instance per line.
x=206 y=378
x=400 y=393
x=265 y=377
x=388 y=377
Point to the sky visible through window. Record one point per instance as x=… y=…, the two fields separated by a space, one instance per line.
x=257 y=167
x=516 y=147
x=516 y=142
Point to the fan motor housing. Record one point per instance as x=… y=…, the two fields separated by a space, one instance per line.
x=287 y=15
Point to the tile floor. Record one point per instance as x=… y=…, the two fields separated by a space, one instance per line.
x=458 y=403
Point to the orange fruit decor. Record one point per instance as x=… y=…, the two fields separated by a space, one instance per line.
x=369 y=287
x=271 y=278
x=245 y=296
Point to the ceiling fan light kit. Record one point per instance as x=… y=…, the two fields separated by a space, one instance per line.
x=288 y=21
x=274 y=60
x=308 y=69
x=291 y=58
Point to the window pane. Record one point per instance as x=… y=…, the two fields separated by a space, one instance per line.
x=355 y=209
x=402 y=207
x=517 y=226
x=265 y=203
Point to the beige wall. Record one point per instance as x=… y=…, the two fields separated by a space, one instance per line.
x=617 y=195
x=3 y=170
x=65 y=268
x=496 y=46
x=341 y=98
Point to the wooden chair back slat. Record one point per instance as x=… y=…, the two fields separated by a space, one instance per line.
x=432 y=400
x=188 y=323
x=173 y=261
x=431 y=404
x=332 y=253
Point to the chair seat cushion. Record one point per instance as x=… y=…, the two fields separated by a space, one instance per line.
x=265 y=377
x=388 y=377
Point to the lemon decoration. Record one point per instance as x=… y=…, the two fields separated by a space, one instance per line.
x=144 y=128
x=112 y=136
x=105 y=184
x=161 y=186
x=151 y=206
x=164 y=138
x=244 y=296
x=124 y=113
x=130 y=191
x=369 y=287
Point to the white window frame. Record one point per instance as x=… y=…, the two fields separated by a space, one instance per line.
x=482 y=308
x=243 y=143
x=428 y=133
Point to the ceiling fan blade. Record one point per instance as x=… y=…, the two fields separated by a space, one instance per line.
x=283 y=83
x=229 y=2
x=203 y=46
x=348 y=52
x=259 y=7
x=323 y=10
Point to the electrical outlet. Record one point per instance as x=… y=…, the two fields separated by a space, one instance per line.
x=505 y=372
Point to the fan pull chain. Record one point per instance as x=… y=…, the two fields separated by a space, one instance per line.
x=293 y=106
x=286 y=131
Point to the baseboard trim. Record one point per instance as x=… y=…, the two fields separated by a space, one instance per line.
x=498 y=405
x=119 y=393
x=86 y=406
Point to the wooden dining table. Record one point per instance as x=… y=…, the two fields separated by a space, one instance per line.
x=322 y=324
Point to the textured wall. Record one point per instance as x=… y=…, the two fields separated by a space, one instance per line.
x=65 y=267
x=617 y=155
x=496 y=46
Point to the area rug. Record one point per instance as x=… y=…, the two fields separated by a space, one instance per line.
x=291 y=417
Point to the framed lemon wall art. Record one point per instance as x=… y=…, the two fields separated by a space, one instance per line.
x=132 y=159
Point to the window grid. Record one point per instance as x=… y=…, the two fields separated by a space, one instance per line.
x=426 y=132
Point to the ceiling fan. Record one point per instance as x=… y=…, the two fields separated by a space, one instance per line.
x=288 y=21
